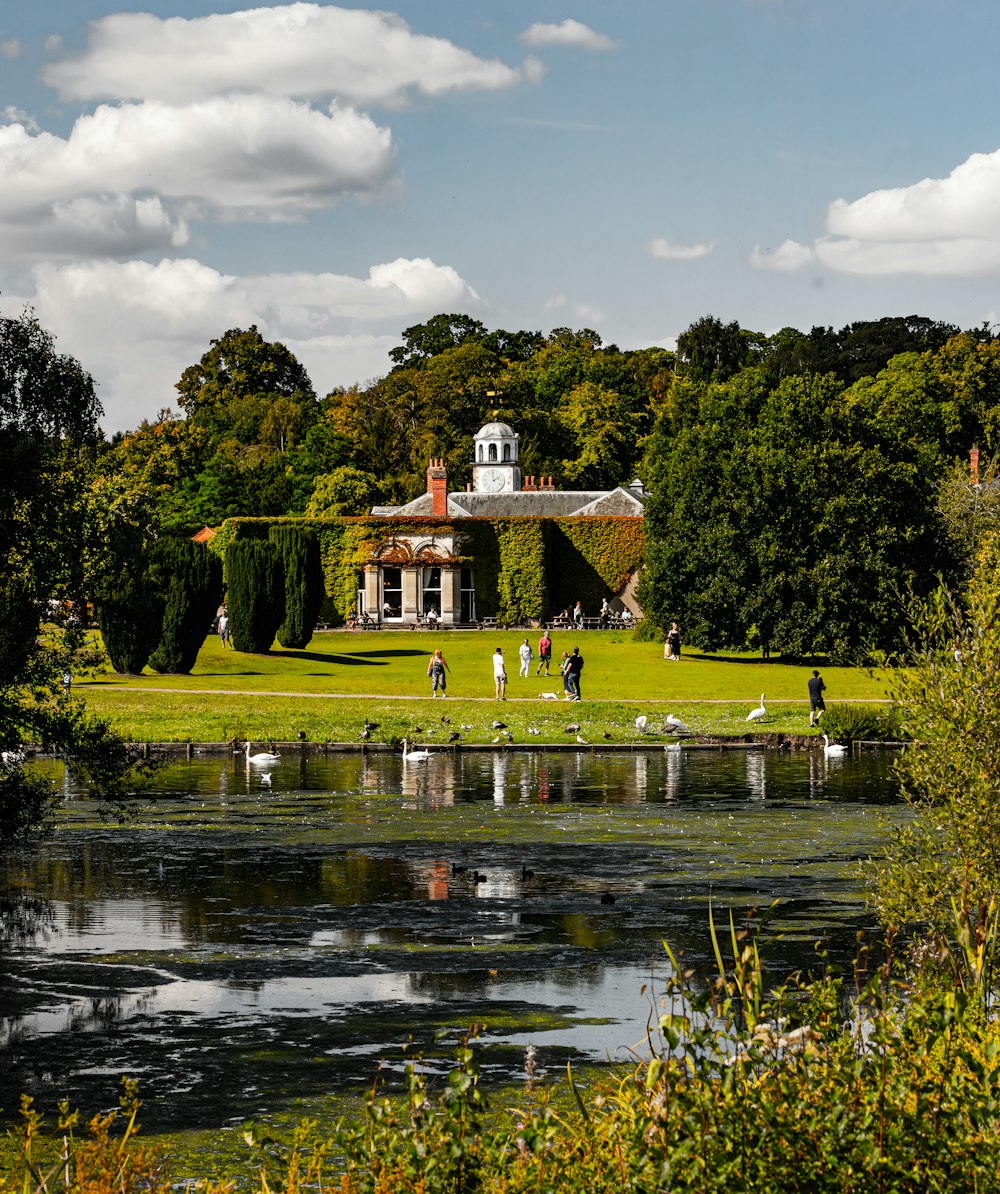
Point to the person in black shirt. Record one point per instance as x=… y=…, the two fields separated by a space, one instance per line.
x=575 y=667
x=817 y=707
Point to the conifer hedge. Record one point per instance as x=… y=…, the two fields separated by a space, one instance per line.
x=303 y=573
x=255 y=593
x=191 y=582
x=129 y=611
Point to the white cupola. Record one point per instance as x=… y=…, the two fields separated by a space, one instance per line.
x=495 y=464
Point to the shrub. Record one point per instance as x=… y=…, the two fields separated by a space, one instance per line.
x=866 y=723
x=191 y=582
x=129 y=610
x=304 y=591
x=255 y=591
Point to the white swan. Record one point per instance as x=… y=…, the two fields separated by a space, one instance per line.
x=414 y=756
x=262 y=759
x=758 y=713
x=677 y=723
x=835 y=748
x=640 y=723
x=673 y=747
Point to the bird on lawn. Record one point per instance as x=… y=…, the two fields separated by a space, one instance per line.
x=454 y=736
x=445 y=721
x=833 y=748
x=532 y=730
x=758 y=713
x=499 y=725
x=365 y=734
x=640 y=723
x=572 y=728
x=414 y=756
x=262 y=758
x=675 y=723
x=582 y=741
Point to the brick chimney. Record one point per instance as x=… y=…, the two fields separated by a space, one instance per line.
x=437 y=485
x=974 y=466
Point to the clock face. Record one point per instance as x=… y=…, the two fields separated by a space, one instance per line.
x=492 y=480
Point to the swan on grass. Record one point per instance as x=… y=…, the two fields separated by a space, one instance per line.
x=758 y=713
x=263 y=759
x=640 y=723
x=678 y=725
x=833 y=748
x=414 y=756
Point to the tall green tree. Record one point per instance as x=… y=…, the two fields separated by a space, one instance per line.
x=255 y=594
x=191 y=582
x=302 y=569
x=48 y=435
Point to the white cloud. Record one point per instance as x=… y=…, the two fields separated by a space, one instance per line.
x=10 y=49
x=53 y=43
x=567 y=33
x=304 y=50
x=668 y=250
x=128 y=178
x=938 y=227
x=136 y=326
x=12 y=115
x=788 y=257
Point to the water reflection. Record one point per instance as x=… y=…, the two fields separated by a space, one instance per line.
x=239 y=926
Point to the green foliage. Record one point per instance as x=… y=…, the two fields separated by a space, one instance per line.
x=129 y=609
x=862 y=723
x=303 y=573
x=521 y=589
x=255 y=593
x=191 y=583
x=345 y=491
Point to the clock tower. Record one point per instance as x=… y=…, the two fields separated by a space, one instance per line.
x=495 y=466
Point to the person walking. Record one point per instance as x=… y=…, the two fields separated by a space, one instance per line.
x=605 y=615
x=575 y=668
x=578 y=616
x=817 y=706
x=524 y=651
x=544 y=653
x=500 y=674
x=436 y=669
x=224 y=630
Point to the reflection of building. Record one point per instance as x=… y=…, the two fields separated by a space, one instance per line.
x=438 y=545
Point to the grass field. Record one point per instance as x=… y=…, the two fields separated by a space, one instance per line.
x=328 y=690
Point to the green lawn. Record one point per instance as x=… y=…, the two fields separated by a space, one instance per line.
x=327 y=690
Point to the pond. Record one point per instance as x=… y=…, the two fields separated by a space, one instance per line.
x=248 y=944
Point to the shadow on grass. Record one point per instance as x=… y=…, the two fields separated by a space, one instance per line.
x=783 y=660
x=316 y=657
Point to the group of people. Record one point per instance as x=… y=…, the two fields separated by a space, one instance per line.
x=606 y=616
x=570 y=668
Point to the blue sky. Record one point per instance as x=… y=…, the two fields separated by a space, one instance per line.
x=336 y=173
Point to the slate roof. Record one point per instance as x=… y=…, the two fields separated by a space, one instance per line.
x=551 y=503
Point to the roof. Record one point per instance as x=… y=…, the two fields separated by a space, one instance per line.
x=547 y=503
x=495 y=429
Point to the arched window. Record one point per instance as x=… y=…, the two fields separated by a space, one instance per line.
x=506 y=451
x=493 y=451
x=480 y=452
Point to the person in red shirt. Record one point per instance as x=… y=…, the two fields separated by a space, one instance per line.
x=544 y=653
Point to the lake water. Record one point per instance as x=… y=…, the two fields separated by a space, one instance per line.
x=246 y=946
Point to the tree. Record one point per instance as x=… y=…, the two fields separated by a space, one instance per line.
x=425 y=340
x=304 y=590
x=255 y=593
x=345 y=491
x=191 y=583
x=48 y=435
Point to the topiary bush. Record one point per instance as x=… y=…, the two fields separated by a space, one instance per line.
x=191 y=583
x=304 y=589
x=129 y=610
x=255 y=588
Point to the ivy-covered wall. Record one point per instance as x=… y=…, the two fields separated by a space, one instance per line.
x=524 y=567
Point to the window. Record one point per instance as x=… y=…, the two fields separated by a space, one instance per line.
x=506 y=451
x=362 y=597
x=480 y=453
x=392 y=593
x=493 y=451
x=468 y=596
x=432 y=591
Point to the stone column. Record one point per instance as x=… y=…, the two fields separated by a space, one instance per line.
x=451 y=594
x=373 y=602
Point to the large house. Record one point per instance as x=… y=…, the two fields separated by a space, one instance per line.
x=445 y=547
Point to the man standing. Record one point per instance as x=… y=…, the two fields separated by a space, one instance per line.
x=224 y=629
x=500 y=675
x=817 y=706
x=575 y=668
x=544 y=653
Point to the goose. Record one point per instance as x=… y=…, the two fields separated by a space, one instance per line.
x=414 y=756
x=262 y=759
x=835 y=748
x=640 y=723
x=758 y=713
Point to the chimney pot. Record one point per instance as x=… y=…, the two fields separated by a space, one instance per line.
x=974 y=465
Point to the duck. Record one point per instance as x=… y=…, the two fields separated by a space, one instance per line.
x=759 y=713
x=262 y=759
x=414 y=756
x=833 y=748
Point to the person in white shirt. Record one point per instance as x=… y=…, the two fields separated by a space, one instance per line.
x=526 y=656
x=500 y=674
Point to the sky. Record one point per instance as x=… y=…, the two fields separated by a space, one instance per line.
x=337 y=173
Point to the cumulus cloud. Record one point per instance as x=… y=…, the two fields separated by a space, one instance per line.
x=136 y=326
x=668 y=250
x=938 y=227
x=567 y=33
x=10 y=49
x=127 y=178
x=788 y=257
x=12 y=115
x=297 y=50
